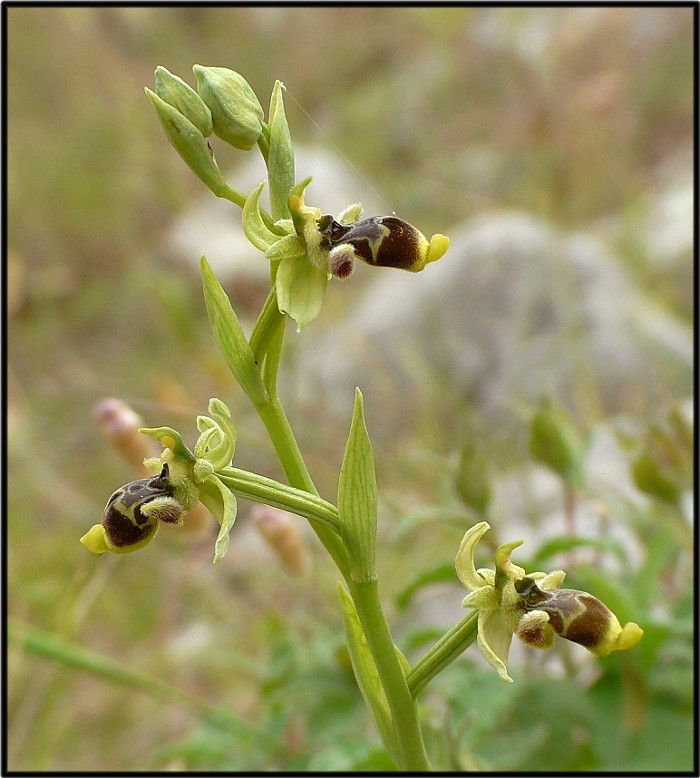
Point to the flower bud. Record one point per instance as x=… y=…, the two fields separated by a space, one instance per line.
x=473 y=480
x=190 y=143
x=133 y=514
x=120 y=425
x=282 y=532
x=235 y=109
x=180 y=95
x=385 y=241
x=574 y=615
x=555 y=442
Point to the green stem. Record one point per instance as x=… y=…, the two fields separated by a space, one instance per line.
x=365 y=595
x=445 y=651
x=229 y=193
x=267 y=340
x=257 y=488
x=278 y=428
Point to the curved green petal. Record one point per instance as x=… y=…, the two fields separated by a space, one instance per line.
x=254 y=227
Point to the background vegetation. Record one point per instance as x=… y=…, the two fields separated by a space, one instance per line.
x=162 y=661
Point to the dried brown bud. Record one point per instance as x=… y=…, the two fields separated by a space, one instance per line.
x=282 y=532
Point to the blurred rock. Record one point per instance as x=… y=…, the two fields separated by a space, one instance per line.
x=515 y=310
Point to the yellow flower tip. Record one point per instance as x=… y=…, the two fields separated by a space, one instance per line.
x=168 y=442
x=94 y=539
x=439 y=244
x=631 y=634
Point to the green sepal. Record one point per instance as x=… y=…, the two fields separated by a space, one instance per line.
x=254 y=227
x=357 y=498
x=222 y=503
x=301 y=289
x=180 y=95
x=189 y=143
x=228 y=333
x=280 y=158
x=366 y=674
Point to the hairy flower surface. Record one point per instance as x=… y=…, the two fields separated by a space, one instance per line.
x=532 y=605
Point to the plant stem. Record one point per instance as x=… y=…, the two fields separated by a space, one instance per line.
x=277 y=425
x=445 y=651
x=257 y=488
x=365 y=595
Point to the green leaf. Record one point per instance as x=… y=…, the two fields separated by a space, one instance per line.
x=254 y=227
x=280 y=159
x=366 y=673
x=228 y=333
x=357 y=497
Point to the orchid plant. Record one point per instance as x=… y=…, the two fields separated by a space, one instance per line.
x=306 y=250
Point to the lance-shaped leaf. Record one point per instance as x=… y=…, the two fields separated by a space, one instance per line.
x=366 y=673
x=280 y=159
x=357 y=497
x=229 y=335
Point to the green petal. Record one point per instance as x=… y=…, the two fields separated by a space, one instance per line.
x=464 y=562
x=506 y=570
x=300 y=290
x=483 y=598
x=254 y=227
x=289 y=246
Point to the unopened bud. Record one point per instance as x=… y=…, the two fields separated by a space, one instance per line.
x=473 y=481
x=555 y=442
x=180 y=95
x=235 y=108
x=120 y=425
x=282 y=533
x=189 y=142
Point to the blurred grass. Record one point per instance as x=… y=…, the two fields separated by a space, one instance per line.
x=568 y=113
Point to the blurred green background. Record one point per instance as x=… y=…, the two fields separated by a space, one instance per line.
x=566 y=113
